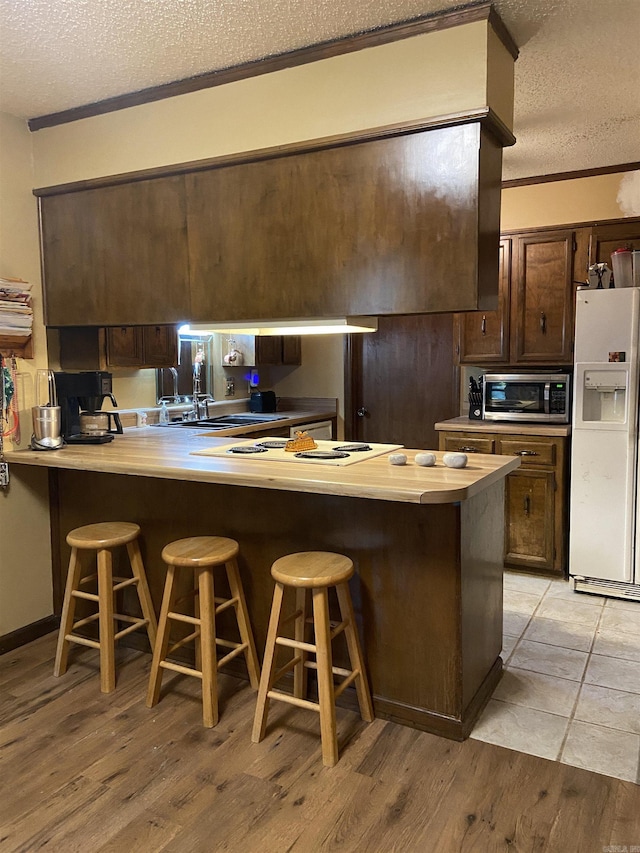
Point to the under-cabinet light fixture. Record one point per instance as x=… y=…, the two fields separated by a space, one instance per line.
x=324 y=326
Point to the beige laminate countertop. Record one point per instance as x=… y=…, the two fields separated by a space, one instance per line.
x=165 y=453
x=463 y=424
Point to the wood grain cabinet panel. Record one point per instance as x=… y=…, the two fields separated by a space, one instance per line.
x=536 y=495
x=533 y=325
x=542 y=303
x=529 y=510
x=483 y=337
x=366 y=228
x=91 y=348
x=605 y=239
x=278 y=349
x=460 y=443
x=160 y=345
x=116 y=255
x=125 y=346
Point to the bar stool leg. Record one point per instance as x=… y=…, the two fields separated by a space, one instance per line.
x=105 y=621
x=355 y=652
x=300 y=670
x=242 y=615
x=207 y=640
x=68 y=611
x=196 y=613
x=268 y=665
x=325 y=677
x=162 y=640
x=137 y=567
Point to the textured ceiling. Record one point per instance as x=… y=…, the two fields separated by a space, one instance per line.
x=577 y=78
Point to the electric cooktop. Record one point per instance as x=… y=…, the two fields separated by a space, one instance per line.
x=326 y=453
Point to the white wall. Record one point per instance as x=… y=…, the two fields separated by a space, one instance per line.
x=25 y=551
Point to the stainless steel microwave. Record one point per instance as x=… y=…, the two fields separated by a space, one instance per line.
x=527 y=397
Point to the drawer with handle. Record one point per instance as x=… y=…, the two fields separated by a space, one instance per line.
x=530 y=452
x=469 y=444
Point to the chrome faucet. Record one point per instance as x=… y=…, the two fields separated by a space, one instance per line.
x=174 y=374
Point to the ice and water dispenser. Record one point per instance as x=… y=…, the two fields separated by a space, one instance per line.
x=604 y=396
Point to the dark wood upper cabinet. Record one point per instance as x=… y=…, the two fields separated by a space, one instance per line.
x=534 y=321
x=142 y=346
x=386 y=226
x=542 y=299
x=116 y=255
x=605 y=239
x=97 y=348
x=483 y=336
x=278 y=349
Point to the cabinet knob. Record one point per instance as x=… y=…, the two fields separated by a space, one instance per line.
x=526 y=453
x=527 y=504
x=543 y=323
x=362 y=412
x=483 y=325
x=464 y=449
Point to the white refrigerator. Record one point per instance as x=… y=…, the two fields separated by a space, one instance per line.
x=603 y=554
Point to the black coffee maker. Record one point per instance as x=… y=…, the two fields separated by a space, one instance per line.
x=84 y=393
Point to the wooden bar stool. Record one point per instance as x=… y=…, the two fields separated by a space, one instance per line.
x=317 y=571
x=202 y=554
x=103 y=538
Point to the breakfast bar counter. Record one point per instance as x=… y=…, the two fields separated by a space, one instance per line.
x=427 y=544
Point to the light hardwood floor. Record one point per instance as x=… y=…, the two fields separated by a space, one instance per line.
x=86 y=771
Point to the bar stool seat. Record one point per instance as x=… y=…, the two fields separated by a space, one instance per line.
x=103 y=537
x=201 y=554
x=317 y=571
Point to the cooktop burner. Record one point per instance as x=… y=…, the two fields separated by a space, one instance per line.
x=321 y=454
x=271 y=448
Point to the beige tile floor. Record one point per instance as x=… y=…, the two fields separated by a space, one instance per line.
x=571 y=686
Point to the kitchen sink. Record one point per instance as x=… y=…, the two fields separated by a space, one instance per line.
x=245 y=419
x=225 y=421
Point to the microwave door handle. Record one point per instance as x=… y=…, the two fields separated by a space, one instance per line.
x=547 y=390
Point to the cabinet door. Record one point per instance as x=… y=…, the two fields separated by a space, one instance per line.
x=483 y=337
x=369 y=228
x=291 y=349
x=125 y=346
x=160 y=344
x=529 y=522
x=605 y=239
x=268 y=349
x=116 y=255
x=542 y=298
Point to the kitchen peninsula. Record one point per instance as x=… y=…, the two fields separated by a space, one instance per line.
x=427 y=544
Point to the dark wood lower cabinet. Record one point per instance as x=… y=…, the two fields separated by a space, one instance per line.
x=536 y=495
x=427 y=590
x=530 y=510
